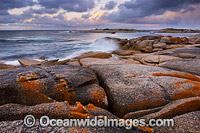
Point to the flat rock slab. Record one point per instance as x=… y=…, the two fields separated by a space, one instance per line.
x=133 y=87
x=193 y=50
x=92 y=61
x=185 y=65
x=186 y=123
x=36 y=85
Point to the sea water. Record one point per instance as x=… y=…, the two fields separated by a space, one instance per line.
x=59 y=44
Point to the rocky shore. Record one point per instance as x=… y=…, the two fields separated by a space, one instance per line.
x=153 y=77
x=167 y=30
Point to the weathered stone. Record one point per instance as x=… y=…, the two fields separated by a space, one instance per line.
x=160 y=45
x=125 y=52
x=185 y=55
x=146 y=45
x=157 y=49
x=92 y=61
x=185 y=65
x=149 y=59
x=94 y=55
x=137 y=114
x=184 y=123
x=28 y=62
x=132 y=87
x=74 y=63
x=36 y=85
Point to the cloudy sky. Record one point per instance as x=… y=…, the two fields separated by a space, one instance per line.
x=88 y=14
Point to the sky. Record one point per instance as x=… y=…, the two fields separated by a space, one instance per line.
x=91 y=14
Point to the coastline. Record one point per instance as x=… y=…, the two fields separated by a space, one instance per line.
x=153 y=77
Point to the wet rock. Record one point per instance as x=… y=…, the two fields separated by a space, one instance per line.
x=36 y=85
x=185 y=65
x=28 y=62
x=92 y=61
x=175 y=108
x=94 y=55
x=188 y=122
x=42 y=58
x=132 y=87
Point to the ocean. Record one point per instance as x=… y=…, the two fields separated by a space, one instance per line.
x=59 y=44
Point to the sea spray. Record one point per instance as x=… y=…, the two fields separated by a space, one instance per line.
x=102 y=45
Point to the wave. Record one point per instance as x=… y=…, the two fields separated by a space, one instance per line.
x=28 y=40
x=102 y=45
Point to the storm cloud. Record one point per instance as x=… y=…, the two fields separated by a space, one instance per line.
x=110 y=5
x=69 y=5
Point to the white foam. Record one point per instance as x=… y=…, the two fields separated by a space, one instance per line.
x=103 y=45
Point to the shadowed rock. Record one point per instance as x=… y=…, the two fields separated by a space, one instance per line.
x=36 y=85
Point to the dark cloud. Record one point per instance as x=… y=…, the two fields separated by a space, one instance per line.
x=69 y=5
x=136 y=9
x=110 y=5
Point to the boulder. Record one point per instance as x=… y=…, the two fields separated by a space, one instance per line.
x=74 y=63
x=144 y=46
x=125 y=52
x=188 y=122
x=94 y=55
x=42 y=58
x=28 y=62
x=167 y=40
x=151 y=59
x=133 y=87
x=36 y=85
x=185 y=65
x=185 y=40
x=175 y=108
x=160 y=45
x=92 y=61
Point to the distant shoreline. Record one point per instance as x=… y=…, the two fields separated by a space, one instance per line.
x=168 y=30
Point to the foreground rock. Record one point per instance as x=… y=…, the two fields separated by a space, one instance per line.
x=94 y=55
x=57 y=110
x=132 y=87
x=175 y=108
x=185 y=65
x=36 y=85
x=184 y=123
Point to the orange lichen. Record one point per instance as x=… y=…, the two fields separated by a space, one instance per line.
x=145 y=129
x=131 y=76
x=91 y=107
x=191 y=92
x=188 y=106
x=31 y=94
x=27 y=77
x=175 y=74
x=140 y=105
x=65 y=93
